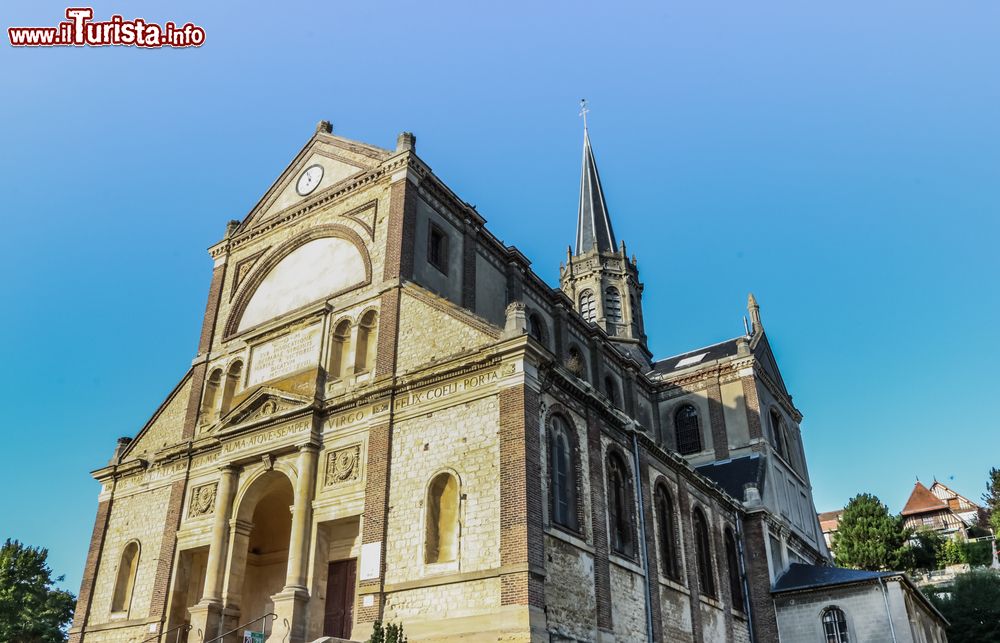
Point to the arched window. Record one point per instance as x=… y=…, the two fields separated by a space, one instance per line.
x=733 y=562
x=777 y=432
x=620 y=506
x=588 y=308
x=339 y=352
x=562 y=474
x=442 y=529
x=536 y=327
x=703 y=552
x=211 y=399
x=688 y=429
x=575 y=363
x=611 y=389
x=835 y=625
x=612 y=305
x=122 y=598
x=232 y=381
x=364 y=356
x=666 y=525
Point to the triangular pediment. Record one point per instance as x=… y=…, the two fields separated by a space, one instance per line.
x=328 y=160
x=265 y=403
x=765 y=357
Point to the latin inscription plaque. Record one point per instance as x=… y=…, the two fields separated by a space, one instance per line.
x=283 y=355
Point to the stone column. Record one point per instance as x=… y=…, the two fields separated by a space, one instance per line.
x=206 y=616
x=291 y=604
x=298 y=547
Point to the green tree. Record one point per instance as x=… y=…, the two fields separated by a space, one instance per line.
x=31 y=609
x=390 y=633
x=972 y=607
x=869 y=537
x=992 y=499
x=922 y=551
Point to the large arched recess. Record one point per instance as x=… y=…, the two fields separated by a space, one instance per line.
x=321 y=263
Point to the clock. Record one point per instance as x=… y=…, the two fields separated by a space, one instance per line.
x=309 y=180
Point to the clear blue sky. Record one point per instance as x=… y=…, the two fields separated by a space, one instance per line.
x=838 y=159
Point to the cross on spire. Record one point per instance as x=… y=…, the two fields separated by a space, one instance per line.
x=584 y=110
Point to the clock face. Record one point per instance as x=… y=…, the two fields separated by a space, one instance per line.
x=309 y=179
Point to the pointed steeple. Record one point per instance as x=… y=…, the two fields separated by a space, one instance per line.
x=593 y=226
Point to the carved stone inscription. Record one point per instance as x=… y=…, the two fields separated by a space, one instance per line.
x=202 y=500
x=283 y=355
x=343 y=465
x=264 y=438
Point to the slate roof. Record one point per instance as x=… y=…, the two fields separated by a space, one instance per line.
x=799 y=576
x=922 y=501
x=733 y=475
x=727 y=348
x=593 y=226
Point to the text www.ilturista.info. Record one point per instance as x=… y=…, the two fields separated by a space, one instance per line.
x=79 y=31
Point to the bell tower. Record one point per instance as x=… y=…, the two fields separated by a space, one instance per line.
x=598 y=275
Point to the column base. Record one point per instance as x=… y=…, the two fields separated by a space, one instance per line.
x=206 y=621
x=291 y=606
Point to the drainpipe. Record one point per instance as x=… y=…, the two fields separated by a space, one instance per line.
x=740 y=551
x=642 y=539
x=885 y=596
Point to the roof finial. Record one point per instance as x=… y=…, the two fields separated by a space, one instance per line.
x=584 y=110
x=754 y=311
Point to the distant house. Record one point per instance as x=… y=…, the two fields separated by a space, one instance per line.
x=829 y=522
x=940 y=509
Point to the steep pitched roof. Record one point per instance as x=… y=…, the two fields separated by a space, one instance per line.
x=799 y=576
x=703 y=355
x=593 y=226
x=733 y=475
x=829 y=520
x=921 y=501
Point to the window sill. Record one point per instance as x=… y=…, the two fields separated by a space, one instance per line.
x=708 y=600
x=436 y=569
x=674 y=585
x=569 y=537
x=625 y=563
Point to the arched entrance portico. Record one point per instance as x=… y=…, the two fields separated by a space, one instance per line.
x=260 y=539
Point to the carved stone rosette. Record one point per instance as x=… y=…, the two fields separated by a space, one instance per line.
x=202 y=500
x=343 y=465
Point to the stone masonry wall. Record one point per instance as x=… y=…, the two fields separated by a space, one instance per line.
x=461 y=439
x=166 y=429
x=135 y=517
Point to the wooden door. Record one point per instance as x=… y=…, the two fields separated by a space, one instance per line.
x=339 y=616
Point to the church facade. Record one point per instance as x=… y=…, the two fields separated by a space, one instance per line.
x=391 y=417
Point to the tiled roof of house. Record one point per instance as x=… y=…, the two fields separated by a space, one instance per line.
x=922 y=501
x=828 y=520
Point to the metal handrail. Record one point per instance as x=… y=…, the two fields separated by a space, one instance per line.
x=240 y=627
x=183 y=626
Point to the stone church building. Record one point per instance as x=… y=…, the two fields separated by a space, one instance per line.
x=391 y=416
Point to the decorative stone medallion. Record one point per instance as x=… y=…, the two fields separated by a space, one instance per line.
x=343 y=465
x=202 y=500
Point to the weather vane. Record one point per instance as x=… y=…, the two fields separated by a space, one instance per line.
x=583 y=111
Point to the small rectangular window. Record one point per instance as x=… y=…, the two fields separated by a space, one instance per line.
x=437 y=248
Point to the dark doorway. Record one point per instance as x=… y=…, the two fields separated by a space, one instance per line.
x=339 y=617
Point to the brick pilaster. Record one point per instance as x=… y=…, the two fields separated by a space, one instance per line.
x=90 y=572
x=598 y=505
x=522 y=546
x=469 y=243
x=717 y=420
x=376 y=517
x=164 y=565
x=691 y=561
x=753 y=407
x=765 y=623
x=652 y=551
x=388 y=333
x=402 y=229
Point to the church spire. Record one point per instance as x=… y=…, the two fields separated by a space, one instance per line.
x=593 y=226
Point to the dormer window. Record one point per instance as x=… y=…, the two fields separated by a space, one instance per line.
x=437 y=248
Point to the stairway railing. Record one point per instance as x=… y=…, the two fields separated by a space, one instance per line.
x=243 y=626
x=183 y=627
